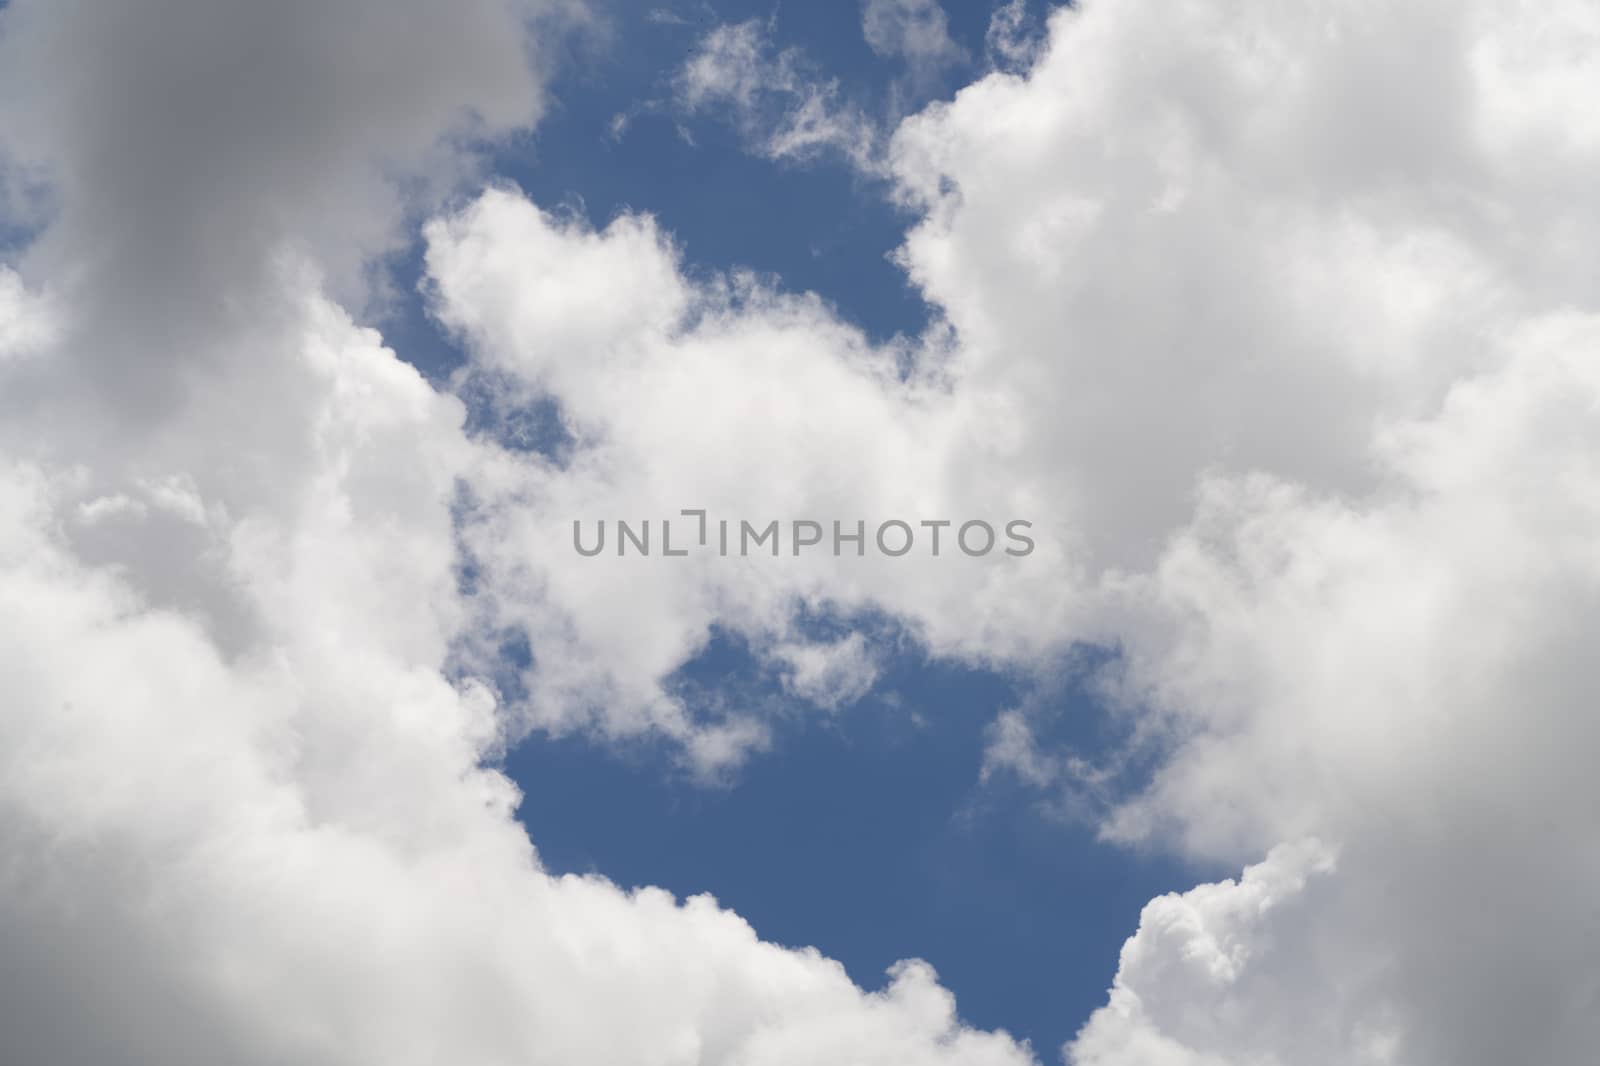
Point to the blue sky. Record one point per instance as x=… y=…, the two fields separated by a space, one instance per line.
x=869 y=837
x=1276 y=321
x=818 y=227
x=865 y=835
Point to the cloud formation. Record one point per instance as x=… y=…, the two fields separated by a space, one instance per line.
x=913 y=31
x=1279 y=326
x=241 y=783
x=780 y=103
x=1276 y=327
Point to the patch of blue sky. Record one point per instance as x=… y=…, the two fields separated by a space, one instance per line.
x=866 y=833
x=814 y=225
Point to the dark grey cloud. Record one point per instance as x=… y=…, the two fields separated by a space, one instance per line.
x=189 y=146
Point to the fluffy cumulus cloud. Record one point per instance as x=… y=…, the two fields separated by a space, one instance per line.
x=1278 y=324
x=241 y=785
x=1299 y=306
x=723 y=397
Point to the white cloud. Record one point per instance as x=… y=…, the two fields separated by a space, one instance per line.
x=1330 y=421
x=1279 y=328
x=1202 y=958
x=721 y=396
x=27 y=323
x=830 y=674
x=1012 y=40
x=915 y=31
x=241 y=781
x=297 y=850
x=781 y=105
x=1011 y=747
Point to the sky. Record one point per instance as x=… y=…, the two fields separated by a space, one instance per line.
x=1018 y=907
x=816 y=225
x=325 y=328
x=869 y=837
